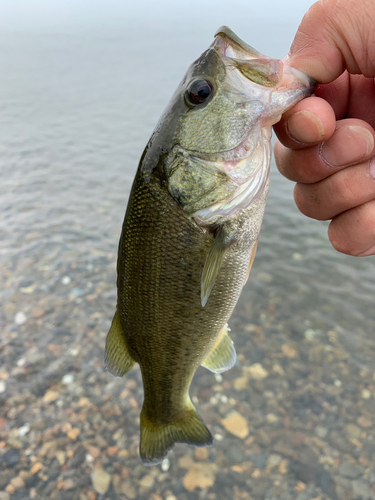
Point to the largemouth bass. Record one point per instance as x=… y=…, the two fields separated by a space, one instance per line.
x=190 y=231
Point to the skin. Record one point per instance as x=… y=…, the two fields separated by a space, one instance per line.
x=326 y=142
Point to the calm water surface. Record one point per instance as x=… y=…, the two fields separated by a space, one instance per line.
x=75 y=114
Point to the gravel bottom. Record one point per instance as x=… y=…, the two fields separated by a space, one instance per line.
x=294 y=419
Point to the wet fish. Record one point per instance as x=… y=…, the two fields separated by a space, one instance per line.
x=191 y=229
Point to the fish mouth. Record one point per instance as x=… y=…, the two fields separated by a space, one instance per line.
x=270 y=85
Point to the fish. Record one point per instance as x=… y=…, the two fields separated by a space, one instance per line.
x=191 y=229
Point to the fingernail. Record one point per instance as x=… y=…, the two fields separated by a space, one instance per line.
x=372 y=167
x=348 y=145
x=304 y=126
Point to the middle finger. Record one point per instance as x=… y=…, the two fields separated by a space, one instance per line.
x=345 y=190
x=351 y=143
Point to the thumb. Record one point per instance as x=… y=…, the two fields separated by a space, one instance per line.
x=335 y=35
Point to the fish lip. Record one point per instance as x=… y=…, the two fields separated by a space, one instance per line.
x=225 y=31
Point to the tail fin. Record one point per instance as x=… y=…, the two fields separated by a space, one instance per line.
x=158 y=439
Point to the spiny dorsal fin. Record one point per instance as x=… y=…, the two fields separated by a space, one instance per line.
x=214 y=261
x=117 y=357
x=223 y=354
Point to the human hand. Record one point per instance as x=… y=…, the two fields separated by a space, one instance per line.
x=326 y=142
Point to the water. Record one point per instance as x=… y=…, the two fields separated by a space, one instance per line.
x=79 y=98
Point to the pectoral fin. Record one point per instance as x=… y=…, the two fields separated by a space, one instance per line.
x=223 y=355
x=118 y=360
x=253 y=252
x=214 y=261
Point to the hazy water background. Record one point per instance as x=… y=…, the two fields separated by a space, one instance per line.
x=81 y=89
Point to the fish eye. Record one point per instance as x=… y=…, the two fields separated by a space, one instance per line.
x=198 y=92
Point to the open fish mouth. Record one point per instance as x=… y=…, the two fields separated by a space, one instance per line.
x=271 y=87
x=225 y=171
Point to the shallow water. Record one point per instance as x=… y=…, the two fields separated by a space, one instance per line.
x=76 y=111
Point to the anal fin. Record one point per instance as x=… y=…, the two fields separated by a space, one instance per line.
x=118 y=360
x=223 y=354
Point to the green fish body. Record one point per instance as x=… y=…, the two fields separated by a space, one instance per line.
x=190 y=232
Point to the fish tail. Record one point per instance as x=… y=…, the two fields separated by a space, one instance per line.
x=157 y=439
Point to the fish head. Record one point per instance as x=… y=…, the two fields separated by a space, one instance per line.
x=216 y=131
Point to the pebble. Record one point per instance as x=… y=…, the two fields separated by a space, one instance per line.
x=50 y=396
x=100 y=481
x=68 y=484
x=36 y=468
x=353 y=431
x=20 y=318
x=350 y=471
x=199 y=476
x=165 y=465
x=256 y=371
x=93 y=450
x=366 y=394
x=240 y=383
x=236 y=425
x=273 y=461
x=185 y=462
x=67 y=379
x=362 y=490
x=22 y=431
x=66 y=280
x=201 y=453
x=2 y=386
x=11 y=458
x=73 y=433
x=310 y=335
x=147 y=482
x=289 y=351
x=272 y=418
x=364 y=422
x=17 y=483
x=321 y=431
x=38 y=312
